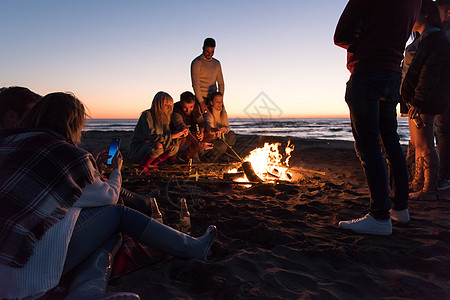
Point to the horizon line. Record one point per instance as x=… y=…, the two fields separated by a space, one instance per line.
x=245 y=117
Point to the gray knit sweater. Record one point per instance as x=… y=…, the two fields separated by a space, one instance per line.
x=44 y=269
x=204 y=75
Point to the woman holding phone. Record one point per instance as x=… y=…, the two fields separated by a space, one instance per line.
x=57 y=211
x=152 y=141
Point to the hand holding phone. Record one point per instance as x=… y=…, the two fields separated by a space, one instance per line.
x=113 y=147
x=117 y=161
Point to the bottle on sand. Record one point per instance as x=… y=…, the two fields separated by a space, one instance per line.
x=156 y=214
x=185 y=217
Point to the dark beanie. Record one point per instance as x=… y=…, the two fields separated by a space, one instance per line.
x=209 y=42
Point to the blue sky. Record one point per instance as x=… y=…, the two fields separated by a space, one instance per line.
x=115 y=55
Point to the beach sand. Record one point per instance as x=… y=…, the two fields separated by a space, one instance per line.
x=281 y=241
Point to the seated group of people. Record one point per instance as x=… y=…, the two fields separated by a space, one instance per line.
x=59 y=215
x=181 y=130
x=194 y=128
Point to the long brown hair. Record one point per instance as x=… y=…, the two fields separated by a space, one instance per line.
x=60 y=112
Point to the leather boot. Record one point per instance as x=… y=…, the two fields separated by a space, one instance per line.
x=417 y=183
x=430 y=171
x=176 y=243
x=92 y=278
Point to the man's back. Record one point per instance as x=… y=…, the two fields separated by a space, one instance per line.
x=375 y=33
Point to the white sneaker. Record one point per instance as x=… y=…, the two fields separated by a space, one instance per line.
x=369 y=225
x=401 y=216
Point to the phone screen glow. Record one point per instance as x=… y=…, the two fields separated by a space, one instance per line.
x=113 y=147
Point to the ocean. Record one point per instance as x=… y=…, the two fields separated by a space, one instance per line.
x=311 y=128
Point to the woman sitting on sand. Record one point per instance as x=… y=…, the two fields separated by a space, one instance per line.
x=218 y=127
x=57 y=211
x=152 y=141
x=425 y=91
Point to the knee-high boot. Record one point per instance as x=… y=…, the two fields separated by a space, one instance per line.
x=411 y=161
x=92 y=278
x=430 y=172
x=176 y=243
x=417 y=183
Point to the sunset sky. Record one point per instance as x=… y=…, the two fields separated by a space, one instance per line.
x=115 y=55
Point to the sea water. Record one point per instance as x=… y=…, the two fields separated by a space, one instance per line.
x=311 y=128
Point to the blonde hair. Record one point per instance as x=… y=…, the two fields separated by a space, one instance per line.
x=157 y=109
x=60 y=112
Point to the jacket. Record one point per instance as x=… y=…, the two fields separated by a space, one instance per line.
x=427 y=82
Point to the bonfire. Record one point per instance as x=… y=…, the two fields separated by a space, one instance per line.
x=268 y=163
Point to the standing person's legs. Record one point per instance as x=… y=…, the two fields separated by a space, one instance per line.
x=416 y=183
x=363 y=95
x=398 y=169
x=426 y=151
x=411 y=160
x=363 y=98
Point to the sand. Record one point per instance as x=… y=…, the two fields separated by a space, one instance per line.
x=281 y=241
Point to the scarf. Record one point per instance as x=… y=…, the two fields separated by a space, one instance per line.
x=41 y=177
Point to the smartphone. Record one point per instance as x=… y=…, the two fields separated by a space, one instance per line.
x=113 y=147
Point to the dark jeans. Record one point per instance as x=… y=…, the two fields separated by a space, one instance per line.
x=98 y=228
x=372 y=98
x=442 y=130
x=219 y=145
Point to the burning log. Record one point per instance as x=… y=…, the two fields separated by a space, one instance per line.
x=232 y=176
x=248 y=170
x=246 y=166
x=266 y=164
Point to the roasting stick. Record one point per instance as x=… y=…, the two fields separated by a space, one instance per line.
x=307 y=170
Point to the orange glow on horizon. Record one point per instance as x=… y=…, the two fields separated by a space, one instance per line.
x=136 y=116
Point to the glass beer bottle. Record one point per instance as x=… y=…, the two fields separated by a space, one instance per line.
x=156 y=214
x=197 y=131
x=185 y=217
x=417 y=120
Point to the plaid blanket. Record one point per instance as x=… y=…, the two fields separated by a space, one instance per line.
x=41 y=177
x=133 y=255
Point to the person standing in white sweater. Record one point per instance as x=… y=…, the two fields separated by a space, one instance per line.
x=206 y=74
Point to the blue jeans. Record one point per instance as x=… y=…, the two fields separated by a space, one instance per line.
x=98 y=227
x=372 y=98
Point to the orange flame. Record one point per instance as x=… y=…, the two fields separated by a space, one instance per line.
x=268 y=163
